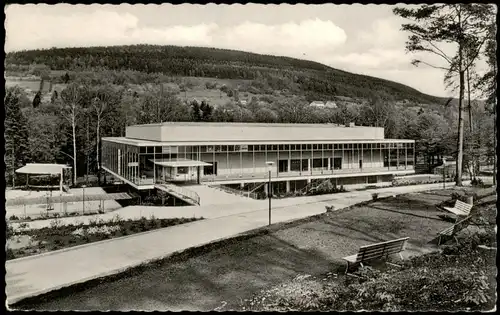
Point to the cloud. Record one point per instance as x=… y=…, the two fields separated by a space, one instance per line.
x=28 y=29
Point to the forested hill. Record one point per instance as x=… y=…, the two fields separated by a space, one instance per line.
x=301 y=76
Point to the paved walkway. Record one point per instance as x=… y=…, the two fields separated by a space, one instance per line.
x=39 y=274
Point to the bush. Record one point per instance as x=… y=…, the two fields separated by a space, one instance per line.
x=375 y=196
x=13 y=218
x=477 y=182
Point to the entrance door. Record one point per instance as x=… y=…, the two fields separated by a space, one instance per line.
x=283 y=166
x=210 y=169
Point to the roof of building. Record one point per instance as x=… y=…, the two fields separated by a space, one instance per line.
x=180 y=163
x=38 y=168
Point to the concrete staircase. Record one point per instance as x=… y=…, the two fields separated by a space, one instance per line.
x=214 y=196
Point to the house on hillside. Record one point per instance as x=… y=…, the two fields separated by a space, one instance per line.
x=317 y=104
x=331 y=104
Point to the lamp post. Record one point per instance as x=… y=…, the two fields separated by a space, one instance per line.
x=444 y=170
x=83 y=200
x=269 y=167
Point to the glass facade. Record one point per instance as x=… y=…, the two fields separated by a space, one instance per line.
x=136 y=164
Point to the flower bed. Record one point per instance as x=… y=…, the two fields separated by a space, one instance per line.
x=59 y=236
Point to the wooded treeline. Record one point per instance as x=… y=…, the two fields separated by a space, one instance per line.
x=274 y=72
x=67 y=128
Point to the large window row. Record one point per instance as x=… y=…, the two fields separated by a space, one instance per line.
x=274 y=147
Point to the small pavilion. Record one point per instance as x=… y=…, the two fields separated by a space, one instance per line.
x=44 y=169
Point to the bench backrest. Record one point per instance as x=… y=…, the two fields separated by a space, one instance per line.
x=462 y=206
x=457 y=227
x=378 y=250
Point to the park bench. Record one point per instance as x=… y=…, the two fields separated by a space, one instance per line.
x=376 y=251
x=461 y=208
x=452 y=231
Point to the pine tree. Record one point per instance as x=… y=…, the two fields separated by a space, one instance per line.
x=16 y=135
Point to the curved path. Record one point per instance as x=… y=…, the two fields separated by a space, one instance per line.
x=35 y=275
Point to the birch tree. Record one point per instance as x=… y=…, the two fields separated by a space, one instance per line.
x=71 y=109
x=463 y=25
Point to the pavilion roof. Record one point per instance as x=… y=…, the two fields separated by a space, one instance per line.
x=38 y=168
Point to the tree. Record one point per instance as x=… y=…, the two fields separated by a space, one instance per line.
x=15 y=133
x=102 y=100
x=37 y=99
x=488 y=85
x=72 y=107
x=196 y=111
x=65 y=78
x=54 y=96
x=207 y=111
x=464 y=25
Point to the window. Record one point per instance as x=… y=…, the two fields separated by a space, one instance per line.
x=315 y=147
x=337 y=163
x=335 y=146
x=217 y=148
x=250 y=147
x=282 y=147
x=182 y=170
x=262 y=147
x=237 y=148
x=309 y=146
x=295 y=165
x=287 y=147
x=305 y=165
x=275 y=147
x=143 y=149
x=230 y=148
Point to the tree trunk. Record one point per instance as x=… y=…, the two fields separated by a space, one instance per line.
x=458 y=179
x=468 y=102
x=495 y=148
x=97 y=147
x=98 y=141
x=74 y=150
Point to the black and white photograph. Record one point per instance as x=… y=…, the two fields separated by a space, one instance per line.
x=251 y=157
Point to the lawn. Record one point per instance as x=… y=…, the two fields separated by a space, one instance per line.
x=36 y=241
x=226 y=273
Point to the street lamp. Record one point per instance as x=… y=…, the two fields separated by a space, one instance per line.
x=269 y=167
x=444 y=170
x=83 y=200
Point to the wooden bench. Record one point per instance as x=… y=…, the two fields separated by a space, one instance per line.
x=461 y=208
x=452 y=231
x=376 y=251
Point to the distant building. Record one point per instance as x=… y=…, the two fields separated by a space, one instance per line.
x=317 y=104
x=331 y=104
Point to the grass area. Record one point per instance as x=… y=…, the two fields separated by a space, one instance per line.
x=29 y=242
x=227 y=272
x=461 y=277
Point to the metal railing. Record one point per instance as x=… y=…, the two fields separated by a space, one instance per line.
x=180 y=191
x=265 y=175
x=249 y=194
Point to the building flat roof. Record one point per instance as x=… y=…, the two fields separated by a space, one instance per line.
x=46 y=169
x=179 y=163
x=197 y=131
x=144 y=143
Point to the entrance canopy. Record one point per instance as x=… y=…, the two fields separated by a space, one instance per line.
x=180 y=163
x=45 y=169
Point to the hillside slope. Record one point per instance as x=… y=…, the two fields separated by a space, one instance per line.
x=300 y=77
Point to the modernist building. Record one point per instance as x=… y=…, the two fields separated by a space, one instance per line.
x=236 y=153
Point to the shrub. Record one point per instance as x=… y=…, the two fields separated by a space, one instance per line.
x=375 y=196
x=9 y=254
x=477 y=182
x=13 y=218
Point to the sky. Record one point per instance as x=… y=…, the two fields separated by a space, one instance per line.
x=364 y=39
